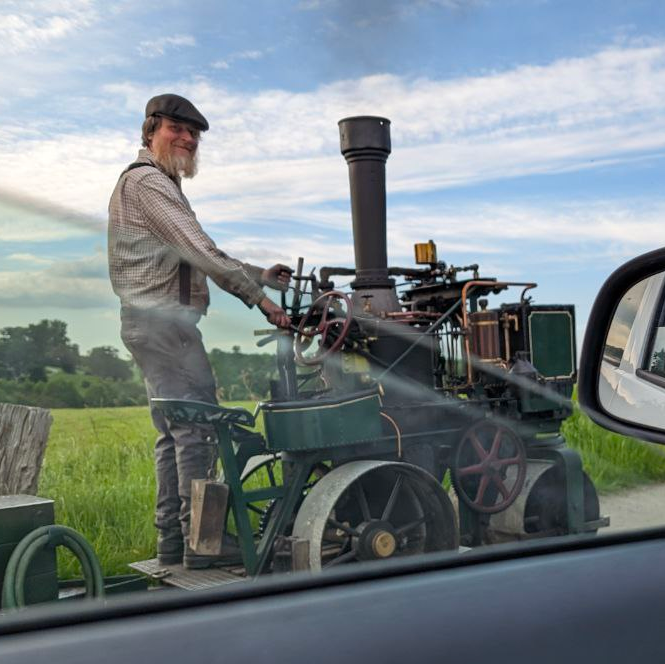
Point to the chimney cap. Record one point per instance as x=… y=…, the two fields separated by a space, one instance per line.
x=364 y=132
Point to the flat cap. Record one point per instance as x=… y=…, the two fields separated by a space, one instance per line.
x=178 y=108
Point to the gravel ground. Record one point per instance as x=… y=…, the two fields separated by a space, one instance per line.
x=643 y=507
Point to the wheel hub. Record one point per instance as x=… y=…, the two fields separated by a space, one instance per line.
x=383 y=544
x=377 y=540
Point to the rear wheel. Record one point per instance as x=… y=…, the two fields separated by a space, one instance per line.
x=371 y=510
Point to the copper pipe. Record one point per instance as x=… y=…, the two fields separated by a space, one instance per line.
x=465 y=321
x=506 y=319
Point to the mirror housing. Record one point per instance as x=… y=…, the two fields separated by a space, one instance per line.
x=593 y=350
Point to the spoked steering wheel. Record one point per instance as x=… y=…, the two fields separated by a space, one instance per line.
x=335 y=328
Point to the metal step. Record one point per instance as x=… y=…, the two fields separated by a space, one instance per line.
x=190 y=579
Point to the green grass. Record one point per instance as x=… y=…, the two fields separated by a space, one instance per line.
x=99 y=470
x=612 y=461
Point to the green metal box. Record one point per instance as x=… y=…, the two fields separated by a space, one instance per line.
x=20 y=515
x=552 y=343
x=322 y=423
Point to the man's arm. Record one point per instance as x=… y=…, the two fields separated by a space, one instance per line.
x=174 y=223
x=278 y=276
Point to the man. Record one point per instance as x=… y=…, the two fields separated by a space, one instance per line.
x=159 y=258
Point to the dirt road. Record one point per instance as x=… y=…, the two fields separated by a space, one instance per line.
x=643 y=507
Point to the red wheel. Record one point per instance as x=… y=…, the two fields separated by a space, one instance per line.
x=489 y=467
x=336 y=328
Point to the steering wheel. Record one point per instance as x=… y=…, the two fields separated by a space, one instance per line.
x=308 y=330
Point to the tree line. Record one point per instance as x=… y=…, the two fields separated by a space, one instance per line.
x=40 y=366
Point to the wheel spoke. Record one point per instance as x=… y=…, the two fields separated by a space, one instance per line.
x=362 y=499
x=324 y=319
x=476 y=469
x=334 y=321
x=477 y=445
x=408 y=527
x=343 y=527
x=345 y=557
x=501 y=487
x=254 y=508
x=328 y=327
x=388 y=510
x=500 y=452
x=496 y=444
x=511 y=461
x=482 y=487
x=271 y=474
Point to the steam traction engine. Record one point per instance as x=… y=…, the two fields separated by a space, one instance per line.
x=384 y=392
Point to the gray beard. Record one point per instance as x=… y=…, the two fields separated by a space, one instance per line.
x=178 y=166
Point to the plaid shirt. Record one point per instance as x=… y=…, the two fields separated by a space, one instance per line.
x=152 y=228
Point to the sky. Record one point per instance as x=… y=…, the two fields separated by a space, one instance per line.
x=528 y=136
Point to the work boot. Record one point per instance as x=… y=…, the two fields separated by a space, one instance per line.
x=230 y=555
x=170 y=547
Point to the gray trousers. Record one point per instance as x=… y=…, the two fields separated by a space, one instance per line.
x=167 y=346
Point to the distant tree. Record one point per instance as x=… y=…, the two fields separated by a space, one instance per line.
x=103 y=361
x=241 y=375
x=61 y=392
x=28 y=351
x=16 y=358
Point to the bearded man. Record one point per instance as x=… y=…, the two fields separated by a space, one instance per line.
x=159 y=259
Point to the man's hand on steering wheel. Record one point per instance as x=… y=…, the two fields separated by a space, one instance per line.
x=277 y=277
x=274 y=313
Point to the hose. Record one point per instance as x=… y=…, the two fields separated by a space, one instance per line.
x=13 y=589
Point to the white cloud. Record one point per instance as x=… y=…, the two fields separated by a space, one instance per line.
x=378 y=11
x=156 y=47
x=275 y=154
x=252 y=54
x=579 y=232
x=309 y=5
x=29 y=25
x=77 y=284
x=610 y=229
x=33 y=259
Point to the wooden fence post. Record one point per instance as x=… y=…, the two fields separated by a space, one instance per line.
x=23 y=434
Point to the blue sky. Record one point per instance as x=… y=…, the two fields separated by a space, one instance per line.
x=528 y=136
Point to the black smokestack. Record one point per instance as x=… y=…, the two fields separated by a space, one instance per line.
x=365 y=144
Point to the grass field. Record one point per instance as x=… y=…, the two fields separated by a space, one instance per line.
x=99 y=470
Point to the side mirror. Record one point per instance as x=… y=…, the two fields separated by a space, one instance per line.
x=621 y=383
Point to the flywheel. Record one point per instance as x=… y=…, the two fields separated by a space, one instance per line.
x=489 y=467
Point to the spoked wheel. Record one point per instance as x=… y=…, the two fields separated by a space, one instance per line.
x=328 y=319
x=370 y=510
x=262 y=471
x=489 y=467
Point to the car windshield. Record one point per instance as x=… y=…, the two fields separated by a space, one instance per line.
x=294 y=286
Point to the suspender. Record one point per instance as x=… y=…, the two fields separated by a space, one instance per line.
x=184 y=269
x=137 y=164
x=184 y=274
